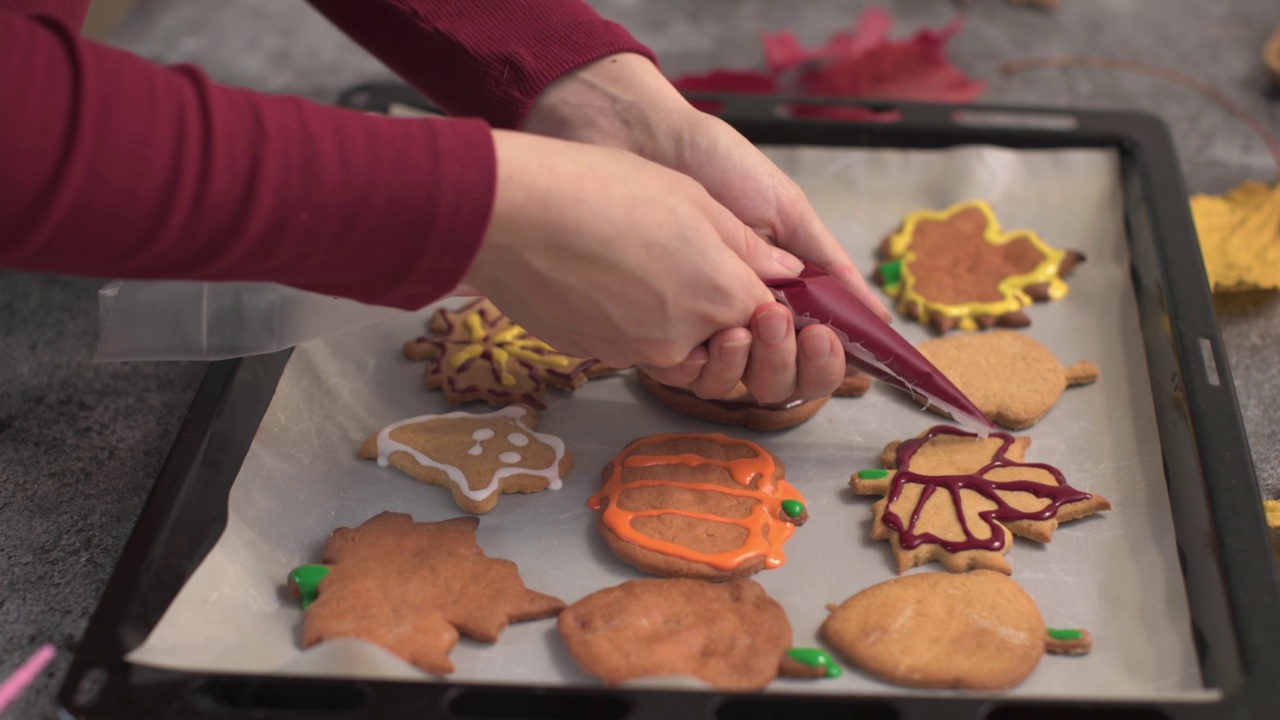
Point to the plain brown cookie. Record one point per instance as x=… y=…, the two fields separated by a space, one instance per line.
x=958 y=499
x=977 y=631
x=700 y=506
x=730 y=635
x=413 y=587
x=739 y=410
x=477 y=457
x=1011 y=378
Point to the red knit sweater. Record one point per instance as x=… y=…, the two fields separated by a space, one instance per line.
x=113 y=167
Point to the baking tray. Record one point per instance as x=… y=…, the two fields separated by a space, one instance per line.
x=1221 y=539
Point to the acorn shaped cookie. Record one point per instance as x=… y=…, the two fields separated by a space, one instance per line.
x=702 y=506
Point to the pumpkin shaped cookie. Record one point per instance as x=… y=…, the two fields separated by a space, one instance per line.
x=698 y=506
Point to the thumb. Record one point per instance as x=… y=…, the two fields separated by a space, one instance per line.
x=767 y=261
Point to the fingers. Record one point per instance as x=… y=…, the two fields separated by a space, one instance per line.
x=804 y=233
x=727 y=351
x=771 y=367
x=765 y=260
x=683 y=374
x=820 y=363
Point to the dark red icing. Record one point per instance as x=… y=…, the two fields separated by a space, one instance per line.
x=1059 y=495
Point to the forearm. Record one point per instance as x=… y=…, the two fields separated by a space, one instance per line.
x=476 y=58
x=114 y=167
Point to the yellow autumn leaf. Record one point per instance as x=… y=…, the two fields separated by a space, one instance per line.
x=1240 y=236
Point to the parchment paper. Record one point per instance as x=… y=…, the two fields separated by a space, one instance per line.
x=1115 y=574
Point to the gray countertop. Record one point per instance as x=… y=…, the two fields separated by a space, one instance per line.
x=80 y=444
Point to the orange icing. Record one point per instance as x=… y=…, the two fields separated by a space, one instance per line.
x=767 y=512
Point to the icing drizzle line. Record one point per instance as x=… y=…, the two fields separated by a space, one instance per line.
x=514 y=413
x=766 y=513
x=1059 y=495
x=504 y=344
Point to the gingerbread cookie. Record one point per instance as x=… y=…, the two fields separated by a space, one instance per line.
x=855 y=384
x=477 y=353
x=955 y=498
x=412 y=588
x=731 y=635
x=700 y=506
x=958 y=268
x=977 y=631
x=477 y=457
x=1012 y=379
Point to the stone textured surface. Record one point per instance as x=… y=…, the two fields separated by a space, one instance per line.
x=80 y=444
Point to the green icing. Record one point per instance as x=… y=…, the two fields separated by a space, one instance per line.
x=306 y=578
x=891 y=272
x=813 y=657
x=793 y=508
x=1059 y=634
x=872 y=474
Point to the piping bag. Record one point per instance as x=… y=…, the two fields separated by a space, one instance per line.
x=871 y=345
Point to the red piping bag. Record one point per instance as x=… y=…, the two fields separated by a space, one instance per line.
x=870 y=344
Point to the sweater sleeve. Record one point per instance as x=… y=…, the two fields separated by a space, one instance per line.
x=487 y=58
x=113 y=167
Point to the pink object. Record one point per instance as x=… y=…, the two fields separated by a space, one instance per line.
x=871 y=345
x=26 y=673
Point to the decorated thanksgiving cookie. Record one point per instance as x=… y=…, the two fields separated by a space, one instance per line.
x=730 y=635
x=958 y=269
x=477 y=457
x=699 y=506
x=1011 y=378
x=477 y=353
x=977 y=630
x=412 y=588
x=956 y=498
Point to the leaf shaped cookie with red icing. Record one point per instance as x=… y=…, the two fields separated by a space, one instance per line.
x=953 y=497
x=477 y=353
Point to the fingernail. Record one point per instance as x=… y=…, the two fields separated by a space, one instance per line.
x=789 y=262
x=771 y=326
x=735 y=352
x=815 y=346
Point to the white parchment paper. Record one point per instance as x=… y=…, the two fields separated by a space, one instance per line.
x=1115 y=574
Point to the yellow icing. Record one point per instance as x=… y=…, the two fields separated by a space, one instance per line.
x=504 y=344
x=1011 y=286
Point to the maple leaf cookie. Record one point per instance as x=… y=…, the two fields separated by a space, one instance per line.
x=958 y=269
x=699 y=506
x=1011 y=378
x=477 y=353
x=477 y=457
x=412 y=588
x=956 y=498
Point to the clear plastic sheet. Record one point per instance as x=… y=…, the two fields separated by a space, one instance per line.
x=1115 y=574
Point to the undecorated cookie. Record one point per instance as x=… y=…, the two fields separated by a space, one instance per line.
x=953 y=497
x=958 y=269
x=977 y=631
x=700 y=506
x=731 y=635
x=1011 y=378
x=412 y=588
x=476 y=456
x=741 y=409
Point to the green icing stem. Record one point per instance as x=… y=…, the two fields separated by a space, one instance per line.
x=1061 y=634
x=872 y=474
x=813 y=657
x=891 y=272
x=306 y=578
x=793 y=508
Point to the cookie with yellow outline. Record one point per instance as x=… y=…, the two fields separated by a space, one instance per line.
x=958 y=268
x=478 y=353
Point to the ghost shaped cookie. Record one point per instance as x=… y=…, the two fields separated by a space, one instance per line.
x=953 y=497
x=1011 y=378
x=958 y=269
x=413 y=588
x=476 y=457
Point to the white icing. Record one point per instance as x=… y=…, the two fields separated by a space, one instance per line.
x=509 y=457
x=518 y=439
x=476 y=450
x=515 y=414
x=482 y=434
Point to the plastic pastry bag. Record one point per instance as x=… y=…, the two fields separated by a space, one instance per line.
x=871 y=345
x=173 y=320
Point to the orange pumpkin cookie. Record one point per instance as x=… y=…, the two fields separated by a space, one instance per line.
x=477 y=353
x=958 y=269
x=699 y=506
x=1012 y=379
x=953 y=497
x=412 y=588
x=977 y=630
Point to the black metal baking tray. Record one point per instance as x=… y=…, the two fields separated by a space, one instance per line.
x=1232 y=587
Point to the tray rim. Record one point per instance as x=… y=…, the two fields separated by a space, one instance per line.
x=1239 y=654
